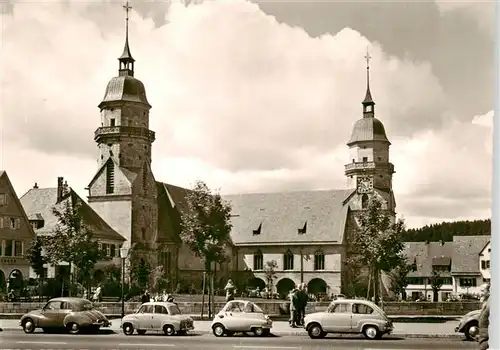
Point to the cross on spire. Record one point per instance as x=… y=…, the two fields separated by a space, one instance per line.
x=126 y=59
x=368 y=58
x=368 y=104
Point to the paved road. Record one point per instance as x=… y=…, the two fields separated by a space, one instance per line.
x=41 y=341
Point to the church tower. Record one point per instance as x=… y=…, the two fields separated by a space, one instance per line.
x=370 y=170
x=123 y=191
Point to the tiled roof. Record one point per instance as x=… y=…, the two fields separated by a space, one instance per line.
x=281 y=215
x=168 y=215
x=40 y=201
x=466 y=249
x=423 y=253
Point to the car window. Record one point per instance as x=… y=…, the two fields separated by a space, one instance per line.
x=160 y=309
x=361 y=309
x=53 y=305
x=174 y=310
x=146 y=309
x=251 y=307
x=340 y=308
x=236 y=307
x=65 y=305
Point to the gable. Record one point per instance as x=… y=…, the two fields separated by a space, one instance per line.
x=123 y=180
x=425 y=255
x=11 y=208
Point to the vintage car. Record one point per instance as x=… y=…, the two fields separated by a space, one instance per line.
x=349 y=316
x=157 y=316
x=469 y=325
x=72 y=314
x=241 y=316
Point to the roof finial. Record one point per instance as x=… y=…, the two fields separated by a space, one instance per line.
x=126 y=59
x=368 y=97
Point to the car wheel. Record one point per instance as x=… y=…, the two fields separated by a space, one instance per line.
x=128 y=329
x=168 y=330
x=141 y=331
x=371 y=332
x=471 y=331
x=258 y=331
x=28 y=325
x=73 y=328
x=315 y=331
x=218 y=330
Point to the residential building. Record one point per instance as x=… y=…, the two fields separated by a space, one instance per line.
x=485 y=262
x=39 y=204
x=465 y=268
x=426 y=257
x=16 y=235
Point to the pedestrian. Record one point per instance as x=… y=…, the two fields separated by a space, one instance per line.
x=303 y=299
x=145 y=298
x=484 y=322
x=294 y=307
x=230 y=288
x=97 y=295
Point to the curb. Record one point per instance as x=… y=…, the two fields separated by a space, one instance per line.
x=297 y=333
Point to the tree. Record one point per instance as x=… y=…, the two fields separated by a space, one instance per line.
x=270 y=272
x=72 y=241
x=141 y=273
x=399 y=280
x=377 y=243
x=37 y=259
x=436 y=283
x=157 y=279
x=206 y=227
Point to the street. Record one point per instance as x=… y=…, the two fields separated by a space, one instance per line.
x=18 y=340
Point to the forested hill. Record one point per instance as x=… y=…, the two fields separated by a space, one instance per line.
x=446 y=230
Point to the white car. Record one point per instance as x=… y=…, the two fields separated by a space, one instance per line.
x=241 y=316
x=157 y=316
x=349 y=316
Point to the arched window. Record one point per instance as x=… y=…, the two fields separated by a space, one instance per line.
x=288 y=260
x=319 y=261
x=258 y=261
x=364 y=201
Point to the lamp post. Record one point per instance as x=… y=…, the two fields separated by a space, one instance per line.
x=123 y=256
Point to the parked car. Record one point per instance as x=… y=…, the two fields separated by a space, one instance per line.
x=241 y=316
x=72 y=314
x=469 y=325
x=157 y=316
x=349 y=316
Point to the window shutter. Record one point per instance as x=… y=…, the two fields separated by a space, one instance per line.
x=18 y=224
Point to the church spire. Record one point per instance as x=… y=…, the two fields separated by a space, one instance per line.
x=368 y=104
x=126 y=60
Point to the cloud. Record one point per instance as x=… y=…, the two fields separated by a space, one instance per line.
x=239 y=100
x=481 y=12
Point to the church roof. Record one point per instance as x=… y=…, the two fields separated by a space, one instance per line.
x=297 y=217
x=169 y=212
x=465 y=254
x=368 y=129
x=125 y=88
x=39 y=202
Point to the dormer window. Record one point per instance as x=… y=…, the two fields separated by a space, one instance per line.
x=257 y=231
x=303 y=229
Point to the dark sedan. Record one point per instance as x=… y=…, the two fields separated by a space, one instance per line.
x=71 y=314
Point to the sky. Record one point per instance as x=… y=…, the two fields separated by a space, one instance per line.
x=258 y=96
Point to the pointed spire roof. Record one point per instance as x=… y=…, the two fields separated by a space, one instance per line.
x=368 y=97
x=126 y=59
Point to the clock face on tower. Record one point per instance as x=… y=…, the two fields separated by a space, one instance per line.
x=365 y=184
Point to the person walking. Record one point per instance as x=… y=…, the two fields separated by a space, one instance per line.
x=484 y=322
x=145 y=298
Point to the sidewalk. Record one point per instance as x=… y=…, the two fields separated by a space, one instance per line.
x=405 y=330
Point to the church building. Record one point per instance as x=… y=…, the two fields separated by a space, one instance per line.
x=304 y=232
